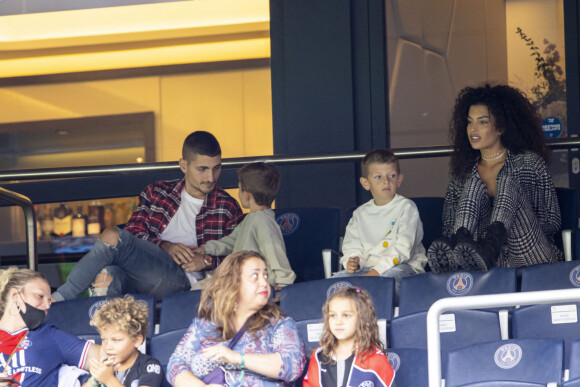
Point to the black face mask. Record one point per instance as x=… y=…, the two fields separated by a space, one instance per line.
x=33 y=317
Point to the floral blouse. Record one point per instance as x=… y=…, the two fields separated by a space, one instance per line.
x=281 y=338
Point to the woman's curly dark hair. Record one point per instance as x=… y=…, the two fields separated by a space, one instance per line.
x=514 y=116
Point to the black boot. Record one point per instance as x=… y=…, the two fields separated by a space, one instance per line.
x=440 y=256
x=483 y=255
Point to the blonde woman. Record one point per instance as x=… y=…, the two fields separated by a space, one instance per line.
x=33 y=351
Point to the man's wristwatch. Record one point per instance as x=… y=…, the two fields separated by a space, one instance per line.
x=207 y=260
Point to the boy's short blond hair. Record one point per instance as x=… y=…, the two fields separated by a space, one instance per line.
x=379 y=155
x=126 y=314
x=261 y=180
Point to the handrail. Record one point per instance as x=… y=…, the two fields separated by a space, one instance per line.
x=30 y=218
x=124 y=169
x=481 y=302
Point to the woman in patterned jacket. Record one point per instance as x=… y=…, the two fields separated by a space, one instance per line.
x=500 y=207
x=236 y=298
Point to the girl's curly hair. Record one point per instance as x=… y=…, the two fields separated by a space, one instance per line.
x=367 y=337
x=221 y=293
x=514 y=117
x=126 y=314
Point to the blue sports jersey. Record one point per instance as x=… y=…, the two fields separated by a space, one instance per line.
x=40 y=354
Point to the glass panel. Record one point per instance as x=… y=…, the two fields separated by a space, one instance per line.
x=535 y=42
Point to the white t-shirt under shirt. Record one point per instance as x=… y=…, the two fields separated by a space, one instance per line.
x=181 y=228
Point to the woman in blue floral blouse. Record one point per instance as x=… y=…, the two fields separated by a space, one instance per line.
x=269 y=351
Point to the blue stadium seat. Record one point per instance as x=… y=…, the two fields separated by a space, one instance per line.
x=568 y=202
x=410 y=366
x=74 y=316
x=551 y=276
x=431 y=214
x=310 y=331
x=307 y=231
x=504 y=362
x=178 y=310
x=574 y=360
x=457 y=329
x=550 y=321
x=162 y=346
x=304 y=300
x=420 y=291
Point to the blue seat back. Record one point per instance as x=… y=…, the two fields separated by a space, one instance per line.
x=550 y=321
x=306 y=232
x=162 y=345
x=310 y=331
x=460 y=328
x=568 y=202
x=574 y=359
x=410 y=366
x=551 y=276
x=532 y=361
x=74 y=316
x=431 y=214
x=178 y=310
x=304 y=300
x=420 y=291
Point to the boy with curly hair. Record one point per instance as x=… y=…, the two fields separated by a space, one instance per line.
x=123 y=325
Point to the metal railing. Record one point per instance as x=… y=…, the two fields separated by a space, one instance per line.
x=30 y=219
x=127 y=169
x=481 y=302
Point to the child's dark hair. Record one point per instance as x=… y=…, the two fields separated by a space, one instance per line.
x=200 y=143
x=126 y=314
x=367 y=337
x=261 y=180
x=379 y=155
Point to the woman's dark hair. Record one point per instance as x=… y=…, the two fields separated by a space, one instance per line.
x=514 y=117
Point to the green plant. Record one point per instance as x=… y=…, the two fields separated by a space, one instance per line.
x=551 y=82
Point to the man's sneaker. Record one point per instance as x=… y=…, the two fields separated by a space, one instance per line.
x=101 y=284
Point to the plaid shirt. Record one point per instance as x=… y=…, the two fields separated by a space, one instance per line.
x=218 y=216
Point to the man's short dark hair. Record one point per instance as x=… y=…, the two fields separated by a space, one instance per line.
x=200 y=143
x=261 y=180
x=379 y=155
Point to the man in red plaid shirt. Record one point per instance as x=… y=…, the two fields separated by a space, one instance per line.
x=153 y=254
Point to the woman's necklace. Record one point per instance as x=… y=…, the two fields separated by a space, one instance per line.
x=494 y=156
